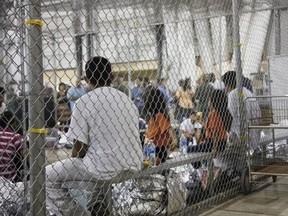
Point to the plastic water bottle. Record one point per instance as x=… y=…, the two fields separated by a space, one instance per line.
x=149 y=152
x=183 y=145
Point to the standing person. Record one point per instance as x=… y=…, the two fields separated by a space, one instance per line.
x=105 y=130
x=11 y=147
x=184 y=95
x=158 y=123
x=217 y=84
x=252 y=109
x=62 y=92
x=63 y=110
x=159 y=84
x=137 y=96
x=14 y=103
x=164 y=91
x=49 y=111
x=75 y=92
x=2 y=99
x=118 y=84
x=202 y=95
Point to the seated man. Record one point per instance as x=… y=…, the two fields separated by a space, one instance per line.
x=11 y=148
x=191 y=128
x=105 y=129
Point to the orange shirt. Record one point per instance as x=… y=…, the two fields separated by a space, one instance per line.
x=214 y=123
x=157 y=130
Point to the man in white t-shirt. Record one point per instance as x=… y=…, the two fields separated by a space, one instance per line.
x=104 y=128
x=191 y=128
x=253 y=112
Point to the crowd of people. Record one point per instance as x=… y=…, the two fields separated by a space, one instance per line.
x=104 y=123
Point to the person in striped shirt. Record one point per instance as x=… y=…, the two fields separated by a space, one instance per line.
x=11 y=146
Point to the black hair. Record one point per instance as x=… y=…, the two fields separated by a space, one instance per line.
x=186 y=84
x=229 y=78
x=212 y=77
x=2 y=90
x=99 y=71
x=62 y=84
x=7 y=118
x=219 y=101
x=154 y=102
x=247 y=83
x=145 y=82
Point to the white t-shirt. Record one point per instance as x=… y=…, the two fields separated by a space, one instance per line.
x=107 y=121
x=188 y=126
x=252 y=112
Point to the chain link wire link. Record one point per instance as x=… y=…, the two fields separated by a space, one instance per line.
x=132 y=107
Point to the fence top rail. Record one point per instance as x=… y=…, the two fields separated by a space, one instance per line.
x=268 y=127
x=267 y=96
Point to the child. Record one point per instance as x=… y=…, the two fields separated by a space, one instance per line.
x=159 y=126
x=11 y=147
x=191 y=128
x=217 y=125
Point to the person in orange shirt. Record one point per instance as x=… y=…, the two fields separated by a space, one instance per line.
x=159 y=126
x=217 y=125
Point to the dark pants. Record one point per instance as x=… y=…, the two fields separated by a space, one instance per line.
x=206 y=147
x=161 y=152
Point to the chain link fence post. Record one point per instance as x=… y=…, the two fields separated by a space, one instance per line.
x=36 y=104
x=239 y=76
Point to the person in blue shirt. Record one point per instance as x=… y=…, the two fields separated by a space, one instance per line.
x=162 y=88
x=160 y=85
x=75 y=92
x=137 y=95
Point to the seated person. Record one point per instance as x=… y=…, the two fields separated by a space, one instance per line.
x=159 y=127
x=105 y=130
x=11 y=147
x=191 y=128
x=217 y=125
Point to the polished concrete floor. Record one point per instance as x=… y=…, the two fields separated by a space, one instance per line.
x=271 y=199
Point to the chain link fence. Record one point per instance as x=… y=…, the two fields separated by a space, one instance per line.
x=128 y=108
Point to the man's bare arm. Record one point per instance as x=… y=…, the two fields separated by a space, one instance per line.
x=79 y=150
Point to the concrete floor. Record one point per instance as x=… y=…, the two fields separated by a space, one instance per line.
x=271 y=199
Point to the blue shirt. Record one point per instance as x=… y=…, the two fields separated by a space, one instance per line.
x=75 y=92
x=166 y=96
x=137 y=96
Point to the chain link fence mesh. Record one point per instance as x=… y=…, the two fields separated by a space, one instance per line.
x=149 y=138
